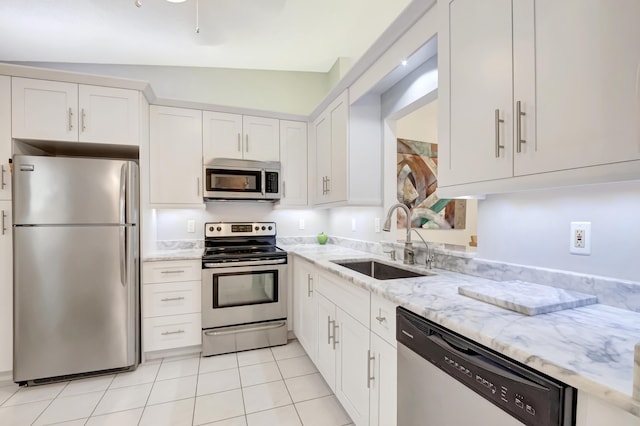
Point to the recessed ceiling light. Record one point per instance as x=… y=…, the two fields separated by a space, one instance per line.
x=404 y=62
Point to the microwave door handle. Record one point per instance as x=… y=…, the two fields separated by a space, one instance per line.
x=264 y=179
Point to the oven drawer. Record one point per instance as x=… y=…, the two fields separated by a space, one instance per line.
x=171 y=298
x=171 y=332
x=383 y=318
x=171 y=271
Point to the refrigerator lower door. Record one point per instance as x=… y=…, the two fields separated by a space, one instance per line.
x=75 y=300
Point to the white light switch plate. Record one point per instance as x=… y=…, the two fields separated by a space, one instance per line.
x=580 y=238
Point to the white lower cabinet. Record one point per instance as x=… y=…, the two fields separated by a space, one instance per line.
x=383 y=386
x=358 y=365
x=171 y=306
x=304 y=306
x=6 y=288
x=592 y=411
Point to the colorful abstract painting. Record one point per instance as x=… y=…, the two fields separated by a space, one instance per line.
x=417 y=183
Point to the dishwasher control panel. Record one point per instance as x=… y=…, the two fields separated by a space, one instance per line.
x=533 y=399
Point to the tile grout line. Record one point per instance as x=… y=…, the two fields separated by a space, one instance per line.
x=144 y=407
x=289 y=392
x=49 y=404
x=195 y=392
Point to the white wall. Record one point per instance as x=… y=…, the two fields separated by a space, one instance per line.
x=172 y=224
x=341 y=222
x=279 y=91
x=532 y=228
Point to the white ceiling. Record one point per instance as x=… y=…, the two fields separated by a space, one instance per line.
x=295 y=35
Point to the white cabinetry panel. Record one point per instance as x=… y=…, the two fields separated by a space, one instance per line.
x=6 y=288
x=175 y=156
x=5 y=137
x=108 y=115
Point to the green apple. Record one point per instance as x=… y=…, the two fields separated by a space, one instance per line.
x=322 y=238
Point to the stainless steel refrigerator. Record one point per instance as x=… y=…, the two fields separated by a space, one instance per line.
x=76 y=266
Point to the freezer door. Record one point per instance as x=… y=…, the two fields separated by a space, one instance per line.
x=59 y=190
x=75 y=300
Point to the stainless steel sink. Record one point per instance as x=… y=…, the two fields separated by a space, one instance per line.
x=380 y=271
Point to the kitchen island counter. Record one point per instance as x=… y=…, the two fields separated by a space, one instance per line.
x=590 y=348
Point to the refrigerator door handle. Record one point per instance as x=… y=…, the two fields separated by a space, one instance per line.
x=123 y=255
x=123 y=193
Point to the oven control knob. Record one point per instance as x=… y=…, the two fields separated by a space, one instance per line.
x=270 y=227
x=257 y=228
x=218 y=229
x=263 y=228
x=211 y=229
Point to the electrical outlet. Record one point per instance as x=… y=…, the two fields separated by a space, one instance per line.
x=580 y=238
x=376 y=224
x=301 y=224
x=353 y=224
x=191 y=225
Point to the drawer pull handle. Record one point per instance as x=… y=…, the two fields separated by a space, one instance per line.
x=166 y=333
x=176 y=271
x=171 y=299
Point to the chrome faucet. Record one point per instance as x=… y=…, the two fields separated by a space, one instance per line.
x=430 y=255
x=409 y=254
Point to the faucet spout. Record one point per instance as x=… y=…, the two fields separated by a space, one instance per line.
x=387 y=222
x=408 y=247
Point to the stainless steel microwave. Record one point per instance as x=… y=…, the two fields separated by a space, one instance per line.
x=232 y=179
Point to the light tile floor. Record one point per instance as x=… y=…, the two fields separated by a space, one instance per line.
x=276 y=386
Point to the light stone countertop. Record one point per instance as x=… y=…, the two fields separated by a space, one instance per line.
x=590 y=348
x=178 y=254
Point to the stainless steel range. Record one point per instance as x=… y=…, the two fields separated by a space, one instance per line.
x=244 y=288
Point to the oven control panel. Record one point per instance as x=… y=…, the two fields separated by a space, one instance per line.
x=239 y=229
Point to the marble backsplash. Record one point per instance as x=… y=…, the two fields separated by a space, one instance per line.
x=609 y=291
x=179 y=244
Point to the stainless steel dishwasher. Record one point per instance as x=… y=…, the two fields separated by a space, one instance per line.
x=447 y=380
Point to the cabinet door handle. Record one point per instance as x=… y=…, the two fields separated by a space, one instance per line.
x=329 y=336
x=498 y=121
x=171 y=299
x=70 y=118
x=166 y=333
x=82 y=119
x=328 y=185
x=519 y=115
x=4 y=228
x=198 y=186
x=284 y=190
x=335 y=333
x=174 y=271
x=380 y=318
x=369 y=376
x=246 y=145
x=239 y=143
x=2 y=177
x=309 y=286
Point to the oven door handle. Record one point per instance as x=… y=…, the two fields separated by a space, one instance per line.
x=245 y=328
x=245 y=263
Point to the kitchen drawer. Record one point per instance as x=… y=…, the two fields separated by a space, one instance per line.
x=171 y=332
x=171 y=298
x=383 y=318
x=348 y=297
x=171 y=271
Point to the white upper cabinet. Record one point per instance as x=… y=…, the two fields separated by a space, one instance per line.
x=241 y=137
x=5 y=137
x=175 y=156
x=57 y=111
x=261 y=138
x=347 y=143
x=108 y=115
x=480 y=40
x=531 y=88
x=293 y=155
x=43 y=109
